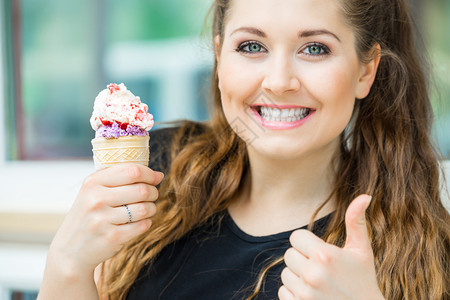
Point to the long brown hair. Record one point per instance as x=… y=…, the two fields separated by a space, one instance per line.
x=387 y=154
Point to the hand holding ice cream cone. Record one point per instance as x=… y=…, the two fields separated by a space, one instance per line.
x=114 y=205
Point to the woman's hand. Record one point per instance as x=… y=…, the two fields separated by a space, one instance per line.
x=98 y=224
x=317 y=270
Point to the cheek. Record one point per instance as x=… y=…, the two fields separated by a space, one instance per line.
x=238 y=83
x=334 y=89
x=226 y=84
x=239 y=87
x=333 y=86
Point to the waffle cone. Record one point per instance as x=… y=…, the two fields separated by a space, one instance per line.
x=124 y=149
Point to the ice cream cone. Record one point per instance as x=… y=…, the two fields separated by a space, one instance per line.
x=124 y=149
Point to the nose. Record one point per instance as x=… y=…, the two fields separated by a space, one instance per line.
x=280 y=77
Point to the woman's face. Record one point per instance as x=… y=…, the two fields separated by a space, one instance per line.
x=289 y=75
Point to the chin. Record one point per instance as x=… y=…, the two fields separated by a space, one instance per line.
x=277 y=151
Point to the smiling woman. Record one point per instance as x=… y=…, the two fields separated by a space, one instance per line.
x=306 y=61
x=316 y=177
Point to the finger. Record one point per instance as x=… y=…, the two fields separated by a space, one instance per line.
x=355 y=225
x=306 y=242
x=285 y=294
x=124 y=174
x=133 y=213
x=133 y=193
x=121 y=234
x=295 y=261
x=296 y=286
x=291 y=281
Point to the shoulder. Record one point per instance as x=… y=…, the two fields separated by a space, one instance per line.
x=163 y=140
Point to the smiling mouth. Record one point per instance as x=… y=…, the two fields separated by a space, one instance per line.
x=274 y=114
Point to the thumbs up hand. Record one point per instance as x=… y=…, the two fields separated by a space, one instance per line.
x=317 y=270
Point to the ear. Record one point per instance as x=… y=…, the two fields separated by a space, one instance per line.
x=217 y=46
x=368 y=72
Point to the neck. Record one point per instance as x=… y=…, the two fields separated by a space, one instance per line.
x=305 y=181
x=288 y=191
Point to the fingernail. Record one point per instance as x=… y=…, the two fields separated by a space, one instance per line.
x=368 y=201
x=161 y=174
x=362 y=217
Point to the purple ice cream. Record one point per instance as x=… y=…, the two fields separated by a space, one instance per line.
x=114 y=131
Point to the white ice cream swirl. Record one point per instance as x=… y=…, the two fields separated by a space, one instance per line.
x=117 y=104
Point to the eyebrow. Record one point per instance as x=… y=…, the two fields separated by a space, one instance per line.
x=301 y=34
x=251 y=30
x=308 y=33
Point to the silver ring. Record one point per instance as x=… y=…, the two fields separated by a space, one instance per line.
x=130 y=218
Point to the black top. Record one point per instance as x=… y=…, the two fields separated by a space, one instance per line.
x=160 y=143
x=215 y=261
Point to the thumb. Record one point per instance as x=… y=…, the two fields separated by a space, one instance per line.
x=355 y=225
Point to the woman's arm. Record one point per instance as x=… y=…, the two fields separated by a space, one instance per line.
x=113 y=206
x=62 y=281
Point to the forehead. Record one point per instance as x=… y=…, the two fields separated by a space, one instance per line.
x=286 y=14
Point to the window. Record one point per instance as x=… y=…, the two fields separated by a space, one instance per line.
x=65 y=52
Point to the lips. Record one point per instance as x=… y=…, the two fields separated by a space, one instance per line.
x=281 y=116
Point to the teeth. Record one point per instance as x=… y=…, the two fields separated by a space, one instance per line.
x=276 y=112
x=283 y=115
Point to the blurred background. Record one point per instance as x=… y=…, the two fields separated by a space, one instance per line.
x=57 y=55
x=60 y=54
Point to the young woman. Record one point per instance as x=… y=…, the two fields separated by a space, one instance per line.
x=317 y=104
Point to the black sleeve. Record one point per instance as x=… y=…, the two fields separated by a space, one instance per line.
x=161 y=141
x=160 y=144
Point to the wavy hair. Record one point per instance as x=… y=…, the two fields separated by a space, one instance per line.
x=388 y=154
